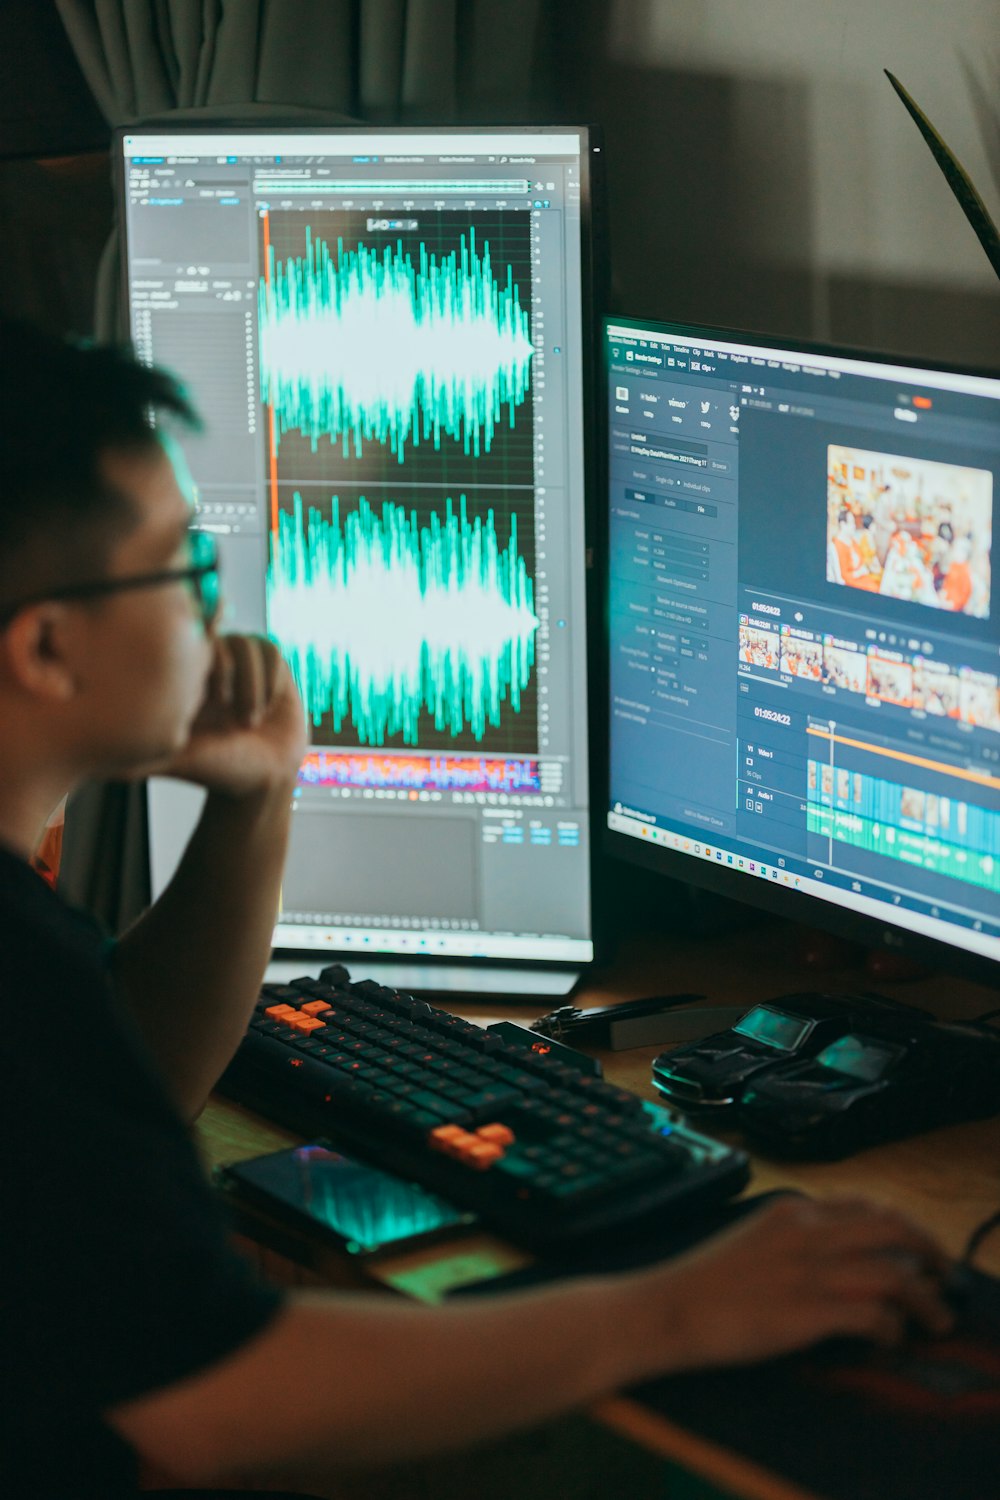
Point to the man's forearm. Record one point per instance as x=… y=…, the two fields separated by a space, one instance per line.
x=389 y=1382
x=385 y=1381
x=190 y=968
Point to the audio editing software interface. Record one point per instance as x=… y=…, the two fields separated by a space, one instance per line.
x=805 y=638
x=383 y=332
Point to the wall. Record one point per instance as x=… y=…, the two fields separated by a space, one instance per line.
x=763 y=173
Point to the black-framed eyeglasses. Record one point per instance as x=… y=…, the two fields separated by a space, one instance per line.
x=202 y=575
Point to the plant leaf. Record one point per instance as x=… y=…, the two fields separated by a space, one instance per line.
x=956 y=176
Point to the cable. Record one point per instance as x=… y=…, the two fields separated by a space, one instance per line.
x=978 y=1235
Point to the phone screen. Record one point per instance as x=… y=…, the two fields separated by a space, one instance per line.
x=364 y=1208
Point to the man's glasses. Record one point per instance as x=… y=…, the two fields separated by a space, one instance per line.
x=202 y=575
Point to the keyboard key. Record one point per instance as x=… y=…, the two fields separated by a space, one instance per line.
x=335 y=974
x=277 y=992
x=519 y=1166
x=488 y=1102
x=437 y=1104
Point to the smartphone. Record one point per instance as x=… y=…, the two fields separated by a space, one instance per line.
x=360 y=1209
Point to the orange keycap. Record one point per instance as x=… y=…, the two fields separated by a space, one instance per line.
x=482 y=1155
x=315 y=1007
x=443 y=1138
x=500 y=1135
x=299 y=1023
x=280 y=1012
x=457 y=1142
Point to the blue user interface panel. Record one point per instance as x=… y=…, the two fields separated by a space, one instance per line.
x=805 y=623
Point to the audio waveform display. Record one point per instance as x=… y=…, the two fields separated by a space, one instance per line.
x=378 y=344
x=421 y=773
x=387 y=623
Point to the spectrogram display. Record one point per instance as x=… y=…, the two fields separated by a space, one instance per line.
x=420 y=773
x=406 y=628
x=422 y=340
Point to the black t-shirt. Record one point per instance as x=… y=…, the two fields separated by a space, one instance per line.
x=115 y=1274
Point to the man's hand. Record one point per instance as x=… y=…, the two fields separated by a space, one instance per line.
x=798 y=1271
x=249 y=735
x=190 y=968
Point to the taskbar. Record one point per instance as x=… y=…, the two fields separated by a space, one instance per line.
x=960 y=929
x=423 y=944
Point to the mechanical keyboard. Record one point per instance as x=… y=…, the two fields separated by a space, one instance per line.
x=542 y=1152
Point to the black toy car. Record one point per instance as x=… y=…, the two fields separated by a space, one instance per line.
x=712 y=1074
x=891 y=1076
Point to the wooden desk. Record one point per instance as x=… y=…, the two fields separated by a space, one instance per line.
x=948 y=1179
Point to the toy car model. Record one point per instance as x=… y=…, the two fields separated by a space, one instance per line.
x=712 y=1073
x=890 y=1076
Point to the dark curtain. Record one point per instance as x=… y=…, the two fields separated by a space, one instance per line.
x=380 y=60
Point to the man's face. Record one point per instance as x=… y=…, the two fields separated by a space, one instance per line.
x=144 y=653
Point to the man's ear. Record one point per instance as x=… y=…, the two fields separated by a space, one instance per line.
x=36 y=650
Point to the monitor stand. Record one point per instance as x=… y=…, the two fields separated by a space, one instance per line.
x=440 y=980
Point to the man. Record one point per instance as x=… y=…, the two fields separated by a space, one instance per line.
x=956 y=588
x=131 y=1332
x=856 y=570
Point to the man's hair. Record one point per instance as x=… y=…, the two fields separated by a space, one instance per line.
x=63 y=406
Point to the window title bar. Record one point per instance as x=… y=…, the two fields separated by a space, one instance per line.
x=240 y=143
x=793 y=359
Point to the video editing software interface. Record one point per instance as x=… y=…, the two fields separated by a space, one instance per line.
x=384 y=332
x=805 y=631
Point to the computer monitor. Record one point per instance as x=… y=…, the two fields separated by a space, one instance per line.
x=804 y=632
x=388 y=333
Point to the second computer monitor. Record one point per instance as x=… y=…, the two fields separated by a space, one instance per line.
x=805 y=630
x=386 y=331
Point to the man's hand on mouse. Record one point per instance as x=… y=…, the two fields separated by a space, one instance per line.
x=801 y=1270
x=249 y=735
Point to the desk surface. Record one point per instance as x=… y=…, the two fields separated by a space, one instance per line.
x=947 y=1179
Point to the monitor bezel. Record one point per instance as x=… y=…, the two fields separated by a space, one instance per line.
x=676 y=865
x=594 y=268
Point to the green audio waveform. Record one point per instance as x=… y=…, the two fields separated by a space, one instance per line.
x=367 y=346
x=383 y=619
